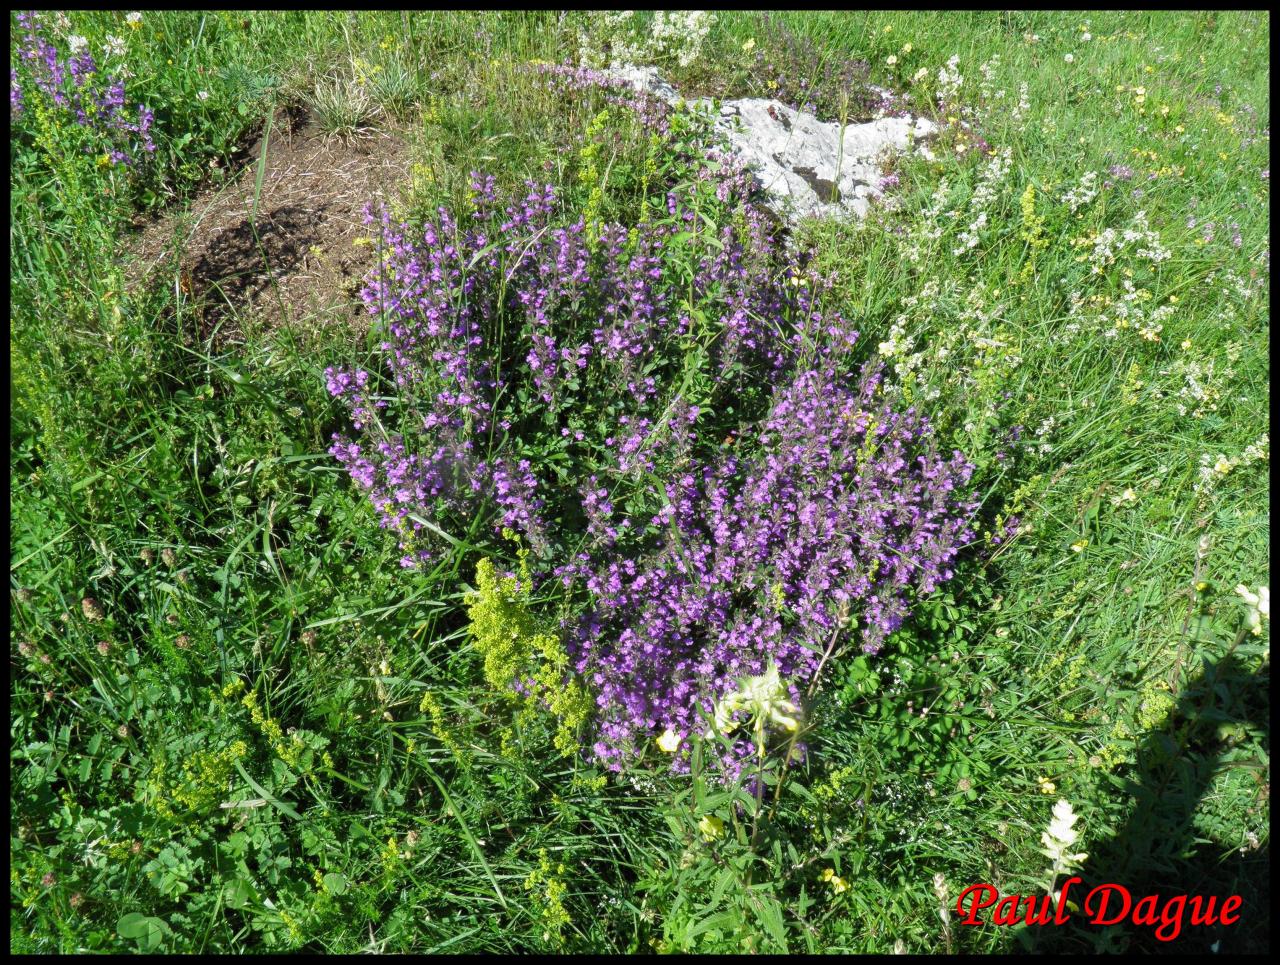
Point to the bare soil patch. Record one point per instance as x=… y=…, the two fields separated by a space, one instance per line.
x=300 y=265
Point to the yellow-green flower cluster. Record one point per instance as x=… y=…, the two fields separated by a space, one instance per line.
x=518 y=649
x=548 y=889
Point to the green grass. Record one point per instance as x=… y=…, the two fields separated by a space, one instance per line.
x=385 y=798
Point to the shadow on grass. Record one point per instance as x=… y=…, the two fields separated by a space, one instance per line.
x=1159 y=850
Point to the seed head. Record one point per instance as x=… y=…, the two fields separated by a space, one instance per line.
x=93 y=611
x=148 y=555
x=104 y=647
x=24 y=595
x=183 y=641
x=169 y=556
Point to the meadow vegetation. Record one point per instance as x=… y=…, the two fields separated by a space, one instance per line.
x=646 y=573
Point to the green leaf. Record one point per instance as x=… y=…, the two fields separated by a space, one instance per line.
x=238 y=893
x=769 y=914
x=147 y=932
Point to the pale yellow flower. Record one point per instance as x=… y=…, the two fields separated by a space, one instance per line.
x=669 y=741
x=764 y=697
x=749 y=46
x=711 y=827
x=1128 y=497
x=1060 y=837
x=1259 y=605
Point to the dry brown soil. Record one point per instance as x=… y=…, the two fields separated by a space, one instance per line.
x=302 y=266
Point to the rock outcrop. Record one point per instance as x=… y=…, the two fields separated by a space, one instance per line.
x=809 y=167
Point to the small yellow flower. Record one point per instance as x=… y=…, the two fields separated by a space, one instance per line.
x=1201 y=586
x=1079 y=545
x=891 y=60
x=1223 y=465
x=749 y=46
x=711 y=827
x=1047 y=786
x=838 y=884
x=1186 y=344
x=906 y=48
x=669 y=741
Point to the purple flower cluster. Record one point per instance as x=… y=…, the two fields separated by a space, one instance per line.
x=498 y=322
x=839 y=509
x=74 y=84
x=669 y=417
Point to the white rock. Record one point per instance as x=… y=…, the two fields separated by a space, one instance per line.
x=809 y=167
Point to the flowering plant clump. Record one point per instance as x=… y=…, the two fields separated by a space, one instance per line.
x=479 y=367
x=669 y=419
x=47 y=81
x=793 y=69
x=616 y=38
x=843 y=504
